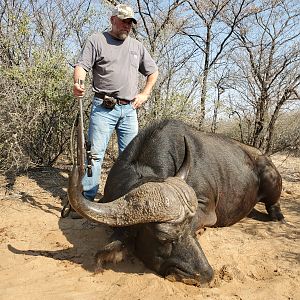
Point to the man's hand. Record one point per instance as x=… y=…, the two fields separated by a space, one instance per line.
x=139 y=100
x=142 y=97
x=78 y=90
x=79 y=77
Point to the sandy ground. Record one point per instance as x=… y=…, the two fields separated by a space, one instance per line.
x=43 y=256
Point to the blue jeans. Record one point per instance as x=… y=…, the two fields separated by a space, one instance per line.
x=103 y=121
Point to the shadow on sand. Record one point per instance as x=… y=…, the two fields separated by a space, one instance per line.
x=86 y=237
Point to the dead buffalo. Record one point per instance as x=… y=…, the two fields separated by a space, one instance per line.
x=170 y=182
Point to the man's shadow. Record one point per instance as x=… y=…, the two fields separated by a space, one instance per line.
x=86 y=238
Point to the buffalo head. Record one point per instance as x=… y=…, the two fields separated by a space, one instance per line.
x=160 y=214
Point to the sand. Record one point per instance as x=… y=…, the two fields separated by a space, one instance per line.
x=43 y=256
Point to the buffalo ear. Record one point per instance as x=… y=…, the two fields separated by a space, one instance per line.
x=184 y=170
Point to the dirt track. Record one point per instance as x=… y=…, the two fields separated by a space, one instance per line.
x=45 y=257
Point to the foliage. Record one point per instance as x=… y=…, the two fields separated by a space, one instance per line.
x=37 y=112
x=225 y=66
x=287 y=134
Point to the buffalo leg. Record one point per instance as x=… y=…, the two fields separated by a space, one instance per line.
x=270 y=188
x=113 y=252
x=274 y=212
x=205 y=216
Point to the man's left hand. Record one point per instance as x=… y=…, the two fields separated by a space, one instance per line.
x=139 y=100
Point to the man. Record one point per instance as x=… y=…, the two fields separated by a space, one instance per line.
x=115 y=60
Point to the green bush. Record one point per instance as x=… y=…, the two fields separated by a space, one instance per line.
x=37 y=111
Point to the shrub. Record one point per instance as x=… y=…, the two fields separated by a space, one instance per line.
x=37 y=111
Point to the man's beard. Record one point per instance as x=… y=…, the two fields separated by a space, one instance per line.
x=122 y=36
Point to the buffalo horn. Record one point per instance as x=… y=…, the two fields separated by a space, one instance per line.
x=150 y=202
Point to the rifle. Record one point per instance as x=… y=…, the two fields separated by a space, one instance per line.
x=84 y=155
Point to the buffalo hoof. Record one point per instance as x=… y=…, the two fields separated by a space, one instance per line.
x=113 y=252
x=275 y=213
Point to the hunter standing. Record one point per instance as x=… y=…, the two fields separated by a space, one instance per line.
x=115 y=59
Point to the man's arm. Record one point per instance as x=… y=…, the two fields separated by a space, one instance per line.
x=79 y=74
x=145 y=93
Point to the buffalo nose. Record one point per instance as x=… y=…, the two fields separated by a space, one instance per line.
x=197 y=279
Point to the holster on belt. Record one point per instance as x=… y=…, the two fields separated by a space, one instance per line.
x=109 y=102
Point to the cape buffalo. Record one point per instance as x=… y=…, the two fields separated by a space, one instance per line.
x=171 y=181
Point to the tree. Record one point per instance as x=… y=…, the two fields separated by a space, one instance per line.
x=160 y=24
x=212 y=28
x=268 y=66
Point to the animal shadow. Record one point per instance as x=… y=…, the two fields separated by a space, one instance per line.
x=257 y=215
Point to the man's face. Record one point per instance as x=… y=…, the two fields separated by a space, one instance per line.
x=121 y=28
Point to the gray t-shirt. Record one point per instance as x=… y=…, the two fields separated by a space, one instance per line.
x=115 y=64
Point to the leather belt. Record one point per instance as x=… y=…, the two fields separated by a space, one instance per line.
x=119 y=101
x=123 y=101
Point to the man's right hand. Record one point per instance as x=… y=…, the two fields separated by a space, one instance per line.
x=78 y=90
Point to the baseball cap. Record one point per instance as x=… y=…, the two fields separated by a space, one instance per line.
x=123 y=11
